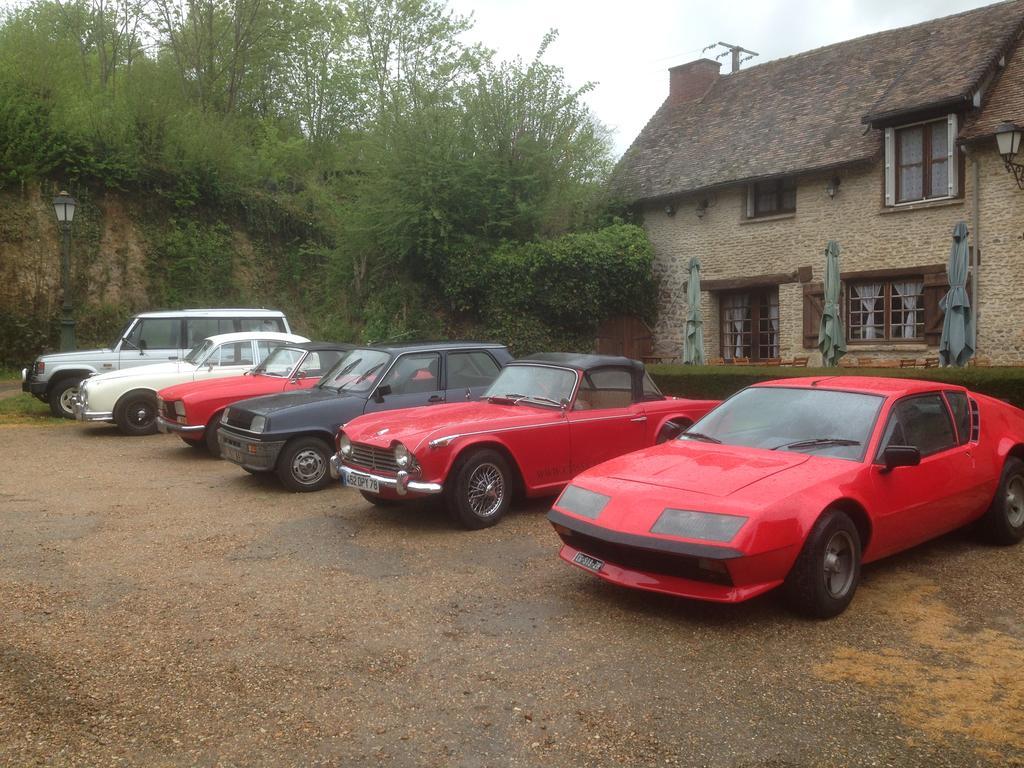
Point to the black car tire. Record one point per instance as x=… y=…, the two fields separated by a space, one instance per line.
x=60 y=396
x=479 y=490
x=379 y=501
x=671 y=429
x=303 y=464
x=826 y=573
x=135 y=414
x=210 y=435
x=1003 y=522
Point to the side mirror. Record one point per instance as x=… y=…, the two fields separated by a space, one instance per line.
x=900 y=456
x=142 y=347
x=299 y=375
x=381 y=392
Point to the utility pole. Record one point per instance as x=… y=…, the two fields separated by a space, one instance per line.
x=735 y=52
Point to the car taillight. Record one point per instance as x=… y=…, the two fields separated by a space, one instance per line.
x=40 y=367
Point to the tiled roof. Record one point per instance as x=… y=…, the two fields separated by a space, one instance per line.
x=1005 y=101
x=807 y=112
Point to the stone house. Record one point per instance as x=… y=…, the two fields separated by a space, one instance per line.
x=882 y=143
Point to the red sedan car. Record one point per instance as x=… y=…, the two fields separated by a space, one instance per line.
x=796 y=483
x=543 y=420
x=193 y=410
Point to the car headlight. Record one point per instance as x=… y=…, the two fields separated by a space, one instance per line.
x=344 y=445
x=580 y=501
x=224 y=416
x=402 y=456
x=259 y=423
x=706 y=526
x=179 y=407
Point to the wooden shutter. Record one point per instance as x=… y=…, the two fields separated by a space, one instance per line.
x=890 y=166
x=814 y=307
x=952 y=156
x=935 y=287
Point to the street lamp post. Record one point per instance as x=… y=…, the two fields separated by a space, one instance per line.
x=64 y=206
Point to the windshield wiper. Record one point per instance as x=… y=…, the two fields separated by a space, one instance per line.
x=512 y=398
x=540 y=399
x=702 y=437
x=818 y=442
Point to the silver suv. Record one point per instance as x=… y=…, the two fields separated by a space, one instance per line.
x=152 y=337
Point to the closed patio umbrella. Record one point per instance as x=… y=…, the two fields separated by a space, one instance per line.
x=831 y=336
x=693 y=344
x=956 y=346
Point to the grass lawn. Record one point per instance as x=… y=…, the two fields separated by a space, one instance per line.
x=25 y=409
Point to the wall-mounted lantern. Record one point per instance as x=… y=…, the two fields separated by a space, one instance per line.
x=1008 y=139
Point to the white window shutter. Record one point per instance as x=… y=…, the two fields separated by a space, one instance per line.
x=750 y=201
x=890 y=166
x=952 y=156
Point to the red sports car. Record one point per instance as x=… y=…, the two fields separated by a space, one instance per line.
x=797 y=483
x=193 y=410
x=543 y=420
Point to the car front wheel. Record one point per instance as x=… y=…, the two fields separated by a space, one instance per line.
x=480 y=489
x=1003 y=523
x=825 y=575
x=210 y=435
x=61 y=397
x=135 y=415
x=303 y=465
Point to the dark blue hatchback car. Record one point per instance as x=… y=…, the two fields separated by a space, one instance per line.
x=293 y=433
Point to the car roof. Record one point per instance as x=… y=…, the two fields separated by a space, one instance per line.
x=581 y=361
x=220 y=338
x=432 y=346
x=872 y=385
x=214 y=313
x=317 y=346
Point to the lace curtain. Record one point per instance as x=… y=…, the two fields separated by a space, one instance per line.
x=737 y=312
x=906 y=301
x=773 y=330
x=867 y=298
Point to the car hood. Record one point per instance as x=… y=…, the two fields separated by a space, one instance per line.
x=149 y=370
x=708 y=469
x=270 y=404
x=413 y=426
x=80 y=356
x=236 y=385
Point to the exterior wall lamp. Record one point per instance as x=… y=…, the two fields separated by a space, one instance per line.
x=702 y=207
x=832 y=187
x=670 y=209
x=64 y=206
x=1008 y=139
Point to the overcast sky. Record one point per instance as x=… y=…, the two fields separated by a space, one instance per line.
x=627 y=46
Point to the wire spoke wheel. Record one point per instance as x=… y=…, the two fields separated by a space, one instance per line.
x=140 y=413
x=838 y=564
x=486 y=490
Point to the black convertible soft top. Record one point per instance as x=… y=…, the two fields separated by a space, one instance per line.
x=584 y=362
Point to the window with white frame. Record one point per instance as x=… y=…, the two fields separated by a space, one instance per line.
x=921 y=161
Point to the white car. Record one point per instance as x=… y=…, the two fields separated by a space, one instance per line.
x=128 y=397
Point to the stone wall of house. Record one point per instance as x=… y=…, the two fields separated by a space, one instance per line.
x=870 y=236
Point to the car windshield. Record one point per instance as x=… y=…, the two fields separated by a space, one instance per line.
x=533 y=384
x=280 y=361
x=122 y=333
x=358 y=371
x=199 y=352
x=819 y=421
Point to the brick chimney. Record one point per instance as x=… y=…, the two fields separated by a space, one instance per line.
x=691 y=81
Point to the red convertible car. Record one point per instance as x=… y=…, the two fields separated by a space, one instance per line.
x=543 y=420
x=193 y=410
x=796 y=483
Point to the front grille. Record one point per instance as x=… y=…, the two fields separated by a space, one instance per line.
x=240 y=419
x=371 y=457
x=649 y=561
x=167 y=410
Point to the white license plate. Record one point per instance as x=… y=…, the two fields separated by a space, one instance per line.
x=588 y=562
x=362 y=482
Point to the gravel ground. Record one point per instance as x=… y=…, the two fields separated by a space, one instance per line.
x=158 y=607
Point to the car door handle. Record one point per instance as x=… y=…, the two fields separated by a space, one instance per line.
x=435 y=399
x=639 y=418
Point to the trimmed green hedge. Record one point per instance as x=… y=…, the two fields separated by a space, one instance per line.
x=717 y=382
